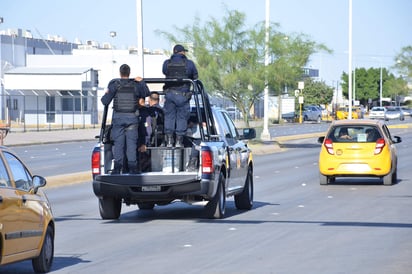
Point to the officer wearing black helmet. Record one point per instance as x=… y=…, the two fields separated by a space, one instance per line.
x=125 y=93
x=177 y=107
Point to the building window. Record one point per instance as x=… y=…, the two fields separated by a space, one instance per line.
x=15 y=104
x=71 y=101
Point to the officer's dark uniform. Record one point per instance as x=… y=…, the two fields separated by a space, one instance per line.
x=177 y=107
x=144 y=129
x=125 y=93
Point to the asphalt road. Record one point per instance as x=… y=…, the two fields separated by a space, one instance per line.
x=296 y=226
x=54 y=159
x=58 y=158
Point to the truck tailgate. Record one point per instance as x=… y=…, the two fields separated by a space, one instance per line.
x=147 y=179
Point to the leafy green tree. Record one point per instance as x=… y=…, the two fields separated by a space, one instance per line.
x=317 y=93
x=404 y=62
x=367 y=85
x=230 y=57
x=397 y=88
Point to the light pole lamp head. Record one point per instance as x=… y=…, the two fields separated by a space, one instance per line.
x=113 y=34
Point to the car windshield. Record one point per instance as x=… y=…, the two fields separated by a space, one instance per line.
x=354 y=133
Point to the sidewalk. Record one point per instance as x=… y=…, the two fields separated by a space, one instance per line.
x=49 y=137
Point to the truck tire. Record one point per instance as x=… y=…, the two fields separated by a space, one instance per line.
x=244 y=200
x=110 y=208
x=215 y=208
x=43 y=262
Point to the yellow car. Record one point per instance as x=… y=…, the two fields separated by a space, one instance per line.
x=358 y=148
x=26 y=220
x=343 y=113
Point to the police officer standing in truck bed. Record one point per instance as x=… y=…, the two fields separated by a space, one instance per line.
x=177 y=106
x=125 y=94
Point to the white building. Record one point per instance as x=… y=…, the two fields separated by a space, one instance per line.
x=54 y=91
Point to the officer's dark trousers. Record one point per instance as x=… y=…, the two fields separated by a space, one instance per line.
x=125 y=134
x=177 y=111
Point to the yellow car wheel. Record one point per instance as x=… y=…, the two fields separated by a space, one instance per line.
x=390 y=179
x=324 y=180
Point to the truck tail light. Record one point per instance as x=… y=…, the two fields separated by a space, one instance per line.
x=329 y=146
x=96 y=162
x=380 y=144
x=207 y=162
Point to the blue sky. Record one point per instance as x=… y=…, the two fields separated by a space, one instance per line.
x=380 y=27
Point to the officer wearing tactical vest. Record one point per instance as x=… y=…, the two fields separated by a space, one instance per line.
x=125 y=94
x=177 y=107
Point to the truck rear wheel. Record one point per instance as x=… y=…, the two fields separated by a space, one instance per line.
x=110 y=208
x=244 y=200
x=215 y=208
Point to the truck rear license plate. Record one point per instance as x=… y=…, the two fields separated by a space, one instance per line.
x=151 y=188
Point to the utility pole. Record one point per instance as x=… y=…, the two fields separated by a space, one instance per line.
x=350 y=61
x=140 y=55
x=265 y=133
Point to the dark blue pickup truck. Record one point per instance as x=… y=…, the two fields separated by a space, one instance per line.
x=225 y=166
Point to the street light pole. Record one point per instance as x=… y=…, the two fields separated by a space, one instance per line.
x=350 y=61
x=265 y=133
x=1 y=75
x=140 y=56
x=380 y=80
x=113 y=35
x=380 y=86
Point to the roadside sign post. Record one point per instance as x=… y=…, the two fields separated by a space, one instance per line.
x=301 y=86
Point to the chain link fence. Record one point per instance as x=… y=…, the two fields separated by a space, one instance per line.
x=38 y=112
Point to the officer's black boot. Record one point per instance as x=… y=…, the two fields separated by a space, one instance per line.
x=169 y=140
x=179 y=141
x=133 y=168
x=117 y=168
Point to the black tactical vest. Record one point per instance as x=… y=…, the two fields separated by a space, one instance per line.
x=177 y=70
x=125 y=99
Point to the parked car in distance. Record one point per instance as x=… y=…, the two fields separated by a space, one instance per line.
x=234 y=113
x=377 y=113
x=358 y=148
x=407 y=111
x=343 y=113
x=26 y=220
x=393 y=113
x=312 y=113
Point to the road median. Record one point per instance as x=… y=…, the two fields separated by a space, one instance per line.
x=68 y=179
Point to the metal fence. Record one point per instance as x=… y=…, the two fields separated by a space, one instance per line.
x=39 y=112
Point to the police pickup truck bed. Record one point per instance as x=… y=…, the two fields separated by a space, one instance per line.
x=225 y=166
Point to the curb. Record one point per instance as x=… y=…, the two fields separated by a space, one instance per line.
x=68 y=179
